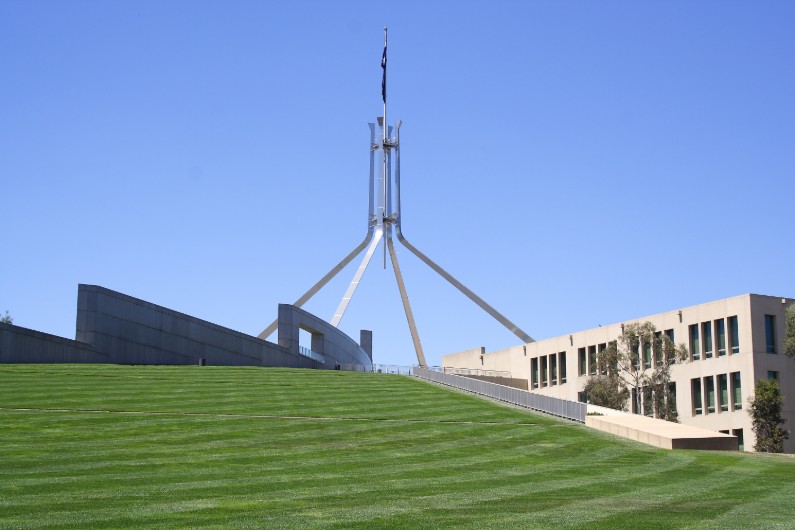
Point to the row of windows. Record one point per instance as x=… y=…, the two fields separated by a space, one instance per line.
x=588 y=363
x=652 y=397
x=729 y=395
x=544 y=369
x=711 y=336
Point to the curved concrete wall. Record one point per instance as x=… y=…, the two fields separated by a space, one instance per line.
x=337 y=347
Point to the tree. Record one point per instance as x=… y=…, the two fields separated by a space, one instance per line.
x=789 y=336
x=765 y=410
x=666 y=354
x=629 y=358
x=607 y=391
x=6 y=319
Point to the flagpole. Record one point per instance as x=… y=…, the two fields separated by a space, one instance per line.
x=383 y=88
x=384 y=147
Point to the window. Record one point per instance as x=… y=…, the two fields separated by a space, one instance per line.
x=734 y=335
x=670 y=334
x=602 y=364
x=544 y=371
x=709 y=386
x=720 y=331
x=534 y=371
x=582 y=397
x=562 y=362
x=737 y=391
x=770 y=333
x=695 y=389
x=581 y=358
x=658 y=360
x=646 y=354
x=695 y=350
x=648 y=401
x=740 y=442
x=772 y=375
x=706 y=333
x=592 y=360
x=672 y=395
x=723 y=392
x=613 y=368
x=553 y=368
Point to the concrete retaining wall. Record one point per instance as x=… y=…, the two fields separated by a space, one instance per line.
x=133 y=331
x=23 y=345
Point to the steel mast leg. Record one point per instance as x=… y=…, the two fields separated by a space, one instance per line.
x=323 y=281
x=406 y=305
x=461 y=287
x=335 y=320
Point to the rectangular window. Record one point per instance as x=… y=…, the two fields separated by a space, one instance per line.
x=534 y=371
x=737 y=391
x=647 y=355
x=709 y=387
x=581 y=358
x=553 y=368
x=720 y=331
x=613 y=369
x=582 y=397
x=734 y=335
x=592 y=360
x=695 y=349
x=695 y=389
x=602 y=364
x=770 y=333
x=670 y=334
x=772 y=375
x=706 y=335
x=723 y=392
x=544 y=371
x=648 y=401
x=562 y=363
x=740 y=442
x=657 y=347
x=672 y=395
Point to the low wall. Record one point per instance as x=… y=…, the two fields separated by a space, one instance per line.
x=562 y=408
x=23 y=345
x=133 y=331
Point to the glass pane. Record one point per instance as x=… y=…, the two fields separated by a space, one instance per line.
x=706 y=332
x=734 y=333
x=720 y=329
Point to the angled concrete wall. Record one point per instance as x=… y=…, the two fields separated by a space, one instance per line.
x=23 y=345
x=133 y=331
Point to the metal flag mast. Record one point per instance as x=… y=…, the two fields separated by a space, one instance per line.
x=383 y=216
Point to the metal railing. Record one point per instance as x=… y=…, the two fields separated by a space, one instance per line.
x=306 y=352
x=392 y=369
x=561 y=408
x=476 y=371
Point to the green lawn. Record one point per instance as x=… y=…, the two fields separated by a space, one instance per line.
x=167 y=447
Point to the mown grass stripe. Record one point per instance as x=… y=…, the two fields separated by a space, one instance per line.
x=216 y=448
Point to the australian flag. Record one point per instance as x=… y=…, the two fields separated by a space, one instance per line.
x=383 y=79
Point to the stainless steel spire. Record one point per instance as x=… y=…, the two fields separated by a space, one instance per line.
x=384 y=214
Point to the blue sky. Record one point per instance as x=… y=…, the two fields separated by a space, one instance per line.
x=573 y=163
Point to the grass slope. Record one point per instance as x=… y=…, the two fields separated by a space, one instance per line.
x=169 y=447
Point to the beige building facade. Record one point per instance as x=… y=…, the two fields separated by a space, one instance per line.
x=731 y=344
